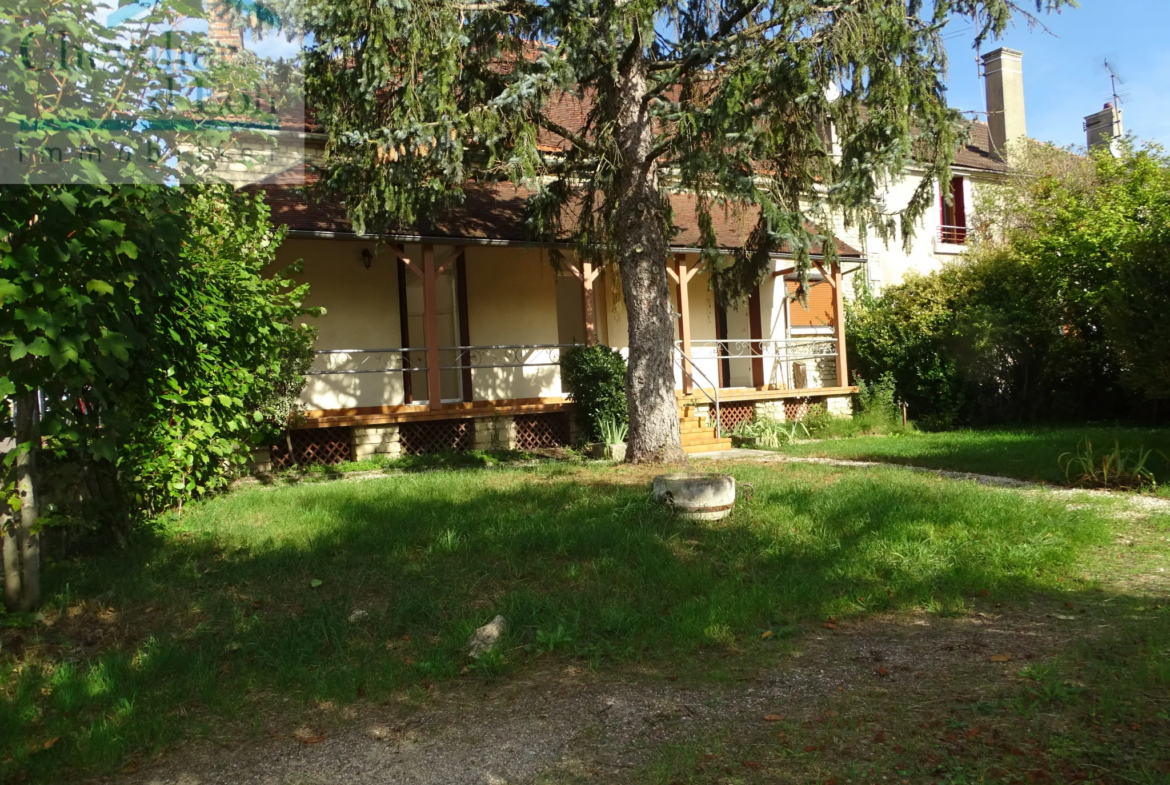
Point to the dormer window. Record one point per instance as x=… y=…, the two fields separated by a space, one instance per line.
x=953 y=230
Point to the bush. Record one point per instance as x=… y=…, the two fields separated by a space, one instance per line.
x=1138 y=316
x=594 y=377
x=877 y=408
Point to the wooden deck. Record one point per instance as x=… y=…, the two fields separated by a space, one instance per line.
x=385 y=415
x=741 y=394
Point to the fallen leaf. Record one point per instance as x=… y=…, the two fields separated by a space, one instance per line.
x=750 y=764
x=765 y=635
x=315 y=583
x=898 y=748
x=50 y=742
x=831 y=781
x=984 y=593
x=1001 y=657
x=130 y=769
x=879 y=737
x=812 y=748
x=313 y=739
x=829 y=625
x=772 y=718
x=672 y=678
x=883 y=671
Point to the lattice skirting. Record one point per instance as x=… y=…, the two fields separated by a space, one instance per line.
x=428 y=436
x=732 y=415
x=536 y=431
x=798 y=408
x=313 y=445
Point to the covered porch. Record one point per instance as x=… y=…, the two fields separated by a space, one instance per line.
x=449 y=345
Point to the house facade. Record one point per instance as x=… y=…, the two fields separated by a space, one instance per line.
x=449 y=336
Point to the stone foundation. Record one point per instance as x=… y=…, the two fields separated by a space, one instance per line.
x=372 y=440
x=261 y=462
x=840 y=405
x=494 y=433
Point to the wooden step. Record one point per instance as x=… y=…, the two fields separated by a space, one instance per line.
x=718 y=445
x=701 y=437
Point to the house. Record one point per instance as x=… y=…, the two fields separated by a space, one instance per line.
x=449 y=336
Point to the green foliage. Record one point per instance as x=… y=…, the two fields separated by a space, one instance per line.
x=546 y=546
x=1116 y=468
x=612 y=431
x=1053 y=309
x=162 y=352
x=1137 y=313
x=594 y=377
x=770 y=433
x=877 y=408
x=416 y=103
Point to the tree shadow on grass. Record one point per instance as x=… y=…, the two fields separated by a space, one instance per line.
x=332 y=592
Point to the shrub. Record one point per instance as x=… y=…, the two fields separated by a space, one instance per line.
x=877 y=408
x=1138 y=316
x=594 y=378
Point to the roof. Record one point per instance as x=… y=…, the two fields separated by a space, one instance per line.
x=977 y=152
x=493 y=211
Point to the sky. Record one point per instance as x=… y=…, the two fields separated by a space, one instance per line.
x=1064 y=77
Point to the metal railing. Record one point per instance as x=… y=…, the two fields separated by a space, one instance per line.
x=785 y=349
x=683 y=361
x=401 y=360
x=952 y=235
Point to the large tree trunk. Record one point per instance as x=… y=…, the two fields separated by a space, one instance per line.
x=641 y=256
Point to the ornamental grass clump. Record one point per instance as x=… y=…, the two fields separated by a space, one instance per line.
x=1115 y=469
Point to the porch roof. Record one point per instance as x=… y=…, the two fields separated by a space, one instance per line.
x=494 y=212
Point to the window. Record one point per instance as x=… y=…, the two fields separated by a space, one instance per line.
x=954 y=215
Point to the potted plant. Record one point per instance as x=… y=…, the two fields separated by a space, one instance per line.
x=613 y=439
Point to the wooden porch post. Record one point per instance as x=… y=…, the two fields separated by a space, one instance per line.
x=587 y=278
x=682 y=278
x=839 y=326
x=431 y=328
x=756 y=327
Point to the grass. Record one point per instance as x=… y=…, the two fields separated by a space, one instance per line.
x=1023 y=453
x=360 y=590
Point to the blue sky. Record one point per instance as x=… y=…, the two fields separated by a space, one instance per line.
x=1063 y=77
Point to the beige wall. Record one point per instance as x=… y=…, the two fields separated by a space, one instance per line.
x=512 y=299
x=361 y=313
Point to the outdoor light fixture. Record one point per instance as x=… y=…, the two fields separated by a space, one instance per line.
x=367 y=258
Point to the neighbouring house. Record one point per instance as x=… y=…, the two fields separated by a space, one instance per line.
x=449 y=336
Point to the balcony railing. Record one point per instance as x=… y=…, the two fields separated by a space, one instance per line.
x=952 y=235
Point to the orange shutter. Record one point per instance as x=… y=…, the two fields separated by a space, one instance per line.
x=819 y=312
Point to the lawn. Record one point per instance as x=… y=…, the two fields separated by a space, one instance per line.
x=1022 y=453
x=356 y=591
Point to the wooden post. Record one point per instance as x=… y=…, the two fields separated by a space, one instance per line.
x=756 y=326
x=431 y=328
x=684 y=316
x=839 y=326
x=587 y=277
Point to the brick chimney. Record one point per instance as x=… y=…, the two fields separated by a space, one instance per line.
x=222 y=31
x=1104 y=127
x=1003 y=73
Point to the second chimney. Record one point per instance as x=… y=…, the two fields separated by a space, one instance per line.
x=1003 y=72
x=1104 y=127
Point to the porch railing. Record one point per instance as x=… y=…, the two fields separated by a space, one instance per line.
x=780 y=353
x=786 y=349
x=330 y=362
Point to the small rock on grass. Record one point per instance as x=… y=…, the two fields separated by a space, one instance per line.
x=486 y=637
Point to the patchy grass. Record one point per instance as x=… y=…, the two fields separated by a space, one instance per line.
x=471 y=459
x=344 y=591
x=1026 y=454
